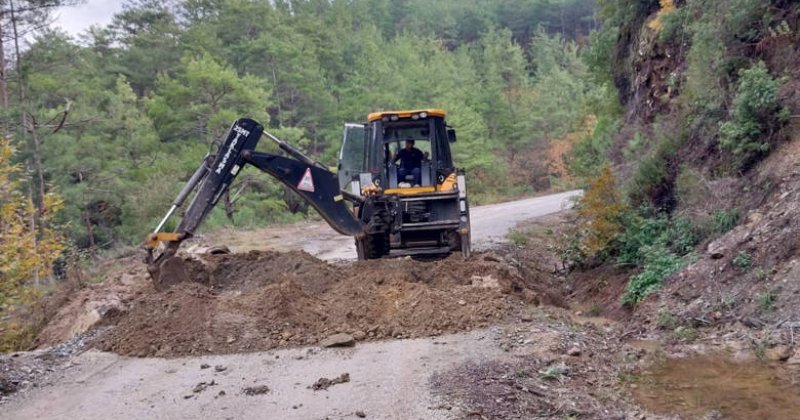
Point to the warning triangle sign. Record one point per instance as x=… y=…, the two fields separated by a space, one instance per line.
x=307 y=182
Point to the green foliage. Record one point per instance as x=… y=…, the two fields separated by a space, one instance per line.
x=518 y=238
x=723 y=221
x=659 y=262
x=766 y=301
x=150 y=93
x=652 y=182
x=656 y=243
x=756 y=114
x=634 y=147
x=666 y=320
x=686 y=333
x=761 y=274
x=673 y=26
x=27 y=251
x=743 y=260
x=588 y=157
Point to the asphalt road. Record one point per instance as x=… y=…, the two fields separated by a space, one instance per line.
x=389 y=379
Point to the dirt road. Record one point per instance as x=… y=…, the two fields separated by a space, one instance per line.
x=388 y=379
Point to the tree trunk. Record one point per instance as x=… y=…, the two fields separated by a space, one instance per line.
x=35 y=238
x=3 y=81
x=38 y=168
x=35 y=144
x=86 y=218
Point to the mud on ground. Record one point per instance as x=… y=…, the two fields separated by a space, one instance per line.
x=263 y=300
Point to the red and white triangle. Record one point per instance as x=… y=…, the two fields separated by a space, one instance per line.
x=307 y=182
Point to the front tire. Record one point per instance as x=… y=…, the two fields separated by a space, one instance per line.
x=375 y=244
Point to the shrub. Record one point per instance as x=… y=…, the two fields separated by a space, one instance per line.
x=660 y=245
x=518 y=237
x=600 y=211
x=652 y=183
x=27 y=251
x=743 y=260
x=588 y=157
x=766 y=301
x=666 y=321
x=723 y=221
x=756 y=115
x=659 y=263
x=673 y=26
x=644 y=230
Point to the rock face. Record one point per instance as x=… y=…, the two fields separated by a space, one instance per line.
x=338 y=340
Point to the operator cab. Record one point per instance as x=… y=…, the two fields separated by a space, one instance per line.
x=369 y=154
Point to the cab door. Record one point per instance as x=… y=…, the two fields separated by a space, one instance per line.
x=353 y=154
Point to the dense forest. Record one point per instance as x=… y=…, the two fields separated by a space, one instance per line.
x=114 y=121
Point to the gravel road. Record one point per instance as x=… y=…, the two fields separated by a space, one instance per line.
x=490 y=224
x=388 y=380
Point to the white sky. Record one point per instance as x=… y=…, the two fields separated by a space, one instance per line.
x=76 y=19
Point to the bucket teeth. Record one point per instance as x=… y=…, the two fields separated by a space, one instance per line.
x=168 y=272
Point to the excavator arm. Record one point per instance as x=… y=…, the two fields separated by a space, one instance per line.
x=309 y=179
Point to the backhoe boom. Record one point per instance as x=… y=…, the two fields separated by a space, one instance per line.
x=308 y=178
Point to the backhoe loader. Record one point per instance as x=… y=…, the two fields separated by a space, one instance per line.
x=390 y=209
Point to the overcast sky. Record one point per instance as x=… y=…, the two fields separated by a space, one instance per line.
x=94 y=12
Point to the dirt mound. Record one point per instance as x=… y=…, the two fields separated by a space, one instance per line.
x=263 y=300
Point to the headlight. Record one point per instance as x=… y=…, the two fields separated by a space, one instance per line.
x=423 y=115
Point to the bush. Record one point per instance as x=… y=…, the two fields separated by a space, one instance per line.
x=657 y=243
x=673 y=26
x=643 y=230
x=653 y=181
x=756 y=115
x=659 y=263
x=588 y=157
x=600 y=211
x=743 y=260
x=766 y=301
x=723 y=221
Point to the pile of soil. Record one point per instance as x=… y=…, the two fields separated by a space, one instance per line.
x=263 y=300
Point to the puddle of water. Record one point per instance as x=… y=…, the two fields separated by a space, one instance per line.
x=588 y=316
x=698 y=386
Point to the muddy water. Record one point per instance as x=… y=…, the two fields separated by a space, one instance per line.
x=720 y=388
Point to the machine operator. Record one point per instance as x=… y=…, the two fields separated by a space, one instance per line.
x=410 y=162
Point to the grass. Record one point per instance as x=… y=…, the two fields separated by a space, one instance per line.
x=743 y=260
x=686 y=334
x=554 y=372
x=518 y=237
x=766 y=301
x=761 y=274
x=723 y=221
x=666 y=320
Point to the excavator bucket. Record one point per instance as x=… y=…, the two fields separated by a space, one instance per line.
x=168 y=272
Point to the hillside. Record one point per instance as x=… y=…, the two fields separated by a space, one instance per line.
x=700 y=216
